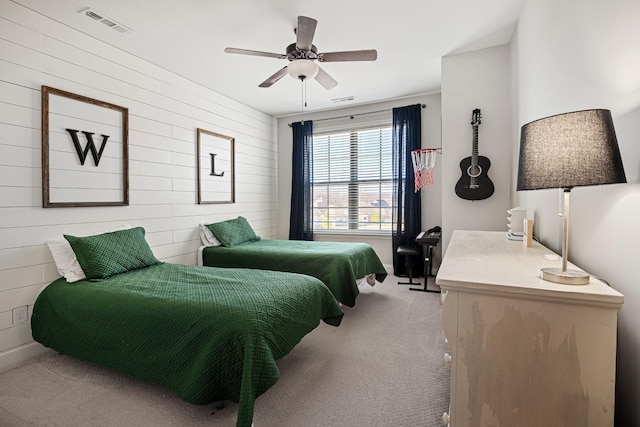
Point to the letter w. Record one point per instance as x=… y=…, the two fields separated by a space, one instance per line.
x=82 y=154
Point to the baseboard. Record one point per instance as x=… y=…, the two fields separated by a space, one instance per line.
x=20 y=354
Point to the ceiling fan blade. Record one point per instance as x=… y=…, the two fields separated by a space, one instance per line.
x=325 y=79
x=351 y=55
x=254 y=53
x=304 y=33
x=274 y=78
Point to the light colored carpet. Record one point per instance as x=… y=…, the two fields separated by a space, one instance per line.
x=382 y=367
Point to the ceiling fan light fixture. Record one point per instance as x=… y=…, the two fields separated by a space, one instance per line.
x=302 y=69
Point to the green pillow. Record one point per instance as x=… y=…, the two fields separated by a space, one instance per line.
x=233 y=232
x=105 y=255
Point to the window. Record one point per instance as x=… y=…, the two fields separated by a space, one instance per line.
x=352 y=180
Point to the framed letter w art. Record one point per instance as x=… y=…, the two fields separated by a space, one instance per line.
x=84 y=151
x=216 y=168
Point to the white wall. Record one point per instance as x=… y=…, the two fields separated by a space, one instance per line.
x=478 y=79
x=164 y=112
x=573 y=55
x=431 y=196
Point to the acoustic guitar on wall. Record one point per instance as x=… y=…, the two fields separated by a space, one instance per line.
x=474 y=184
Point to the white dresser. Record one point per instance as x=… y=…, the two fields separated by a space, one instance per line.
x=523 y=351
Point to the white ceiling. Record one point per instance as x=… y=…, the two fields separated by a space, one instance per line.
x=188 y=37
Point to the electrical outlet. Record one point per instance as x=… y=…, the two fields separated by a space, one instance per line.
x=20 y=314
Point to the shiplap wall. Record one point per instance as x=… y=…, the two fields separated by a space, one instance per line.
x=164 y=112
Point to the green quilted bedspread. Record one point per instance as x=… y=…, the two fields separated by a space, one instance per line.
x=208 y=334
x=337 y=264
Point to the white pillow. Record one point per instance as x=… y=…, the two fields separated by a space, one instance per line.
x=207 y=237
x=65 y=259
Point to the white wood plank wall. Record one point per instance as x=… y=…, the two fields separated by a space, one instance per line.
x=164 y=112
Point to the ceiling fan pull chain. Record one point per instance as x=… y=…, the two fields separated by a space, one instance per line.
x=303 y=101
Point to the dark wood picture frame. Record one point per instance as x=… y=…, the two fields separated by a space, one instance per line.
x=215 y=159
x=70 y=156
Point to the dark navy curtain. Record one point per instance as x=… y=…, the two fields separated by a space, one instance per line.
x=407 y=223
x=301 y=219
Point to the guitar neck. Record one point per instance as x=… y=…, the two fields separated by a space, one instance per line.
x=473 y=180
x=474 y=151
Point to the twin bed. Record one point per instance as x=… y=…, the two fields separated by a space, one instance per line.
x=206 y=333
x=340 y=266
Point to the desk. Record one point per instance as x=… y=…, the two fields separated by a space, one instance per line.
x=428 y=241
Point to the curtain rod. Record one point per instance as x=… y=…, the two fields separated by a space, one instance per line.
x=351 y=116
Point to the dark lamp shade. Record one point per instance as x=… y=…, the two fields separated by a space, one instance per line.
x=569 y=150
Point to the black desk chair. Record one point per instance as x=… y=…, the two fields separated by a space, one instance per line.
x=407 y=252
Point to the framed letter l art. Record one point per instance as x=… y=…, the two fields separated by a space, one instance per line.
x=216 y=168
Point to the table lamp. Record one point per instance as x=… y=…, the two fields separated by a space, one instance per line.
x=565 y=151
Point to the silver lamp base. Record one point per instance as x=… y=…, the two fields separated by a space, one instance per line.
x=568 y=277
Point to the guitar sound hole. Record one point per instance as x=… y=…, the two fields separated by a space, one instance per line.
x=471 y=169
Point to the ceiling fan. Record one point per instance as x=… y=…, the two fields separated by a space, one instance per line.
x=303 y=53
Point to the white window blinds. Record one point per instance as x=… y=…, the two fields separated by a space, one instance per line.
x=352 y=182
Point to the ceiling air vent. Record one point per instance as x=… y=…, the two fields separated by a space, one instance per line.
x=343 y=99
x=97 y=16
